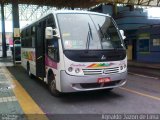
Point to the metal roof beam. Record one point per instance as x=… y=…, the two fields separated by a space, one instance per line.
x=8 y=11
x=33 y=11
x=145 y=2
x=158 y=1
x=83 y=3
x=140 y=2
x=149 y=2
x=22 y=9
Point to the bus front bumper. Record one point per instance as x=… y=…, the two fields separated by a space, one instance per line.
x=71 y=83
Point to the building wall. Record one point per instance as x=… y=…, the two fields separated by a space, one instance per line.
x=142 y=32
x=148 y=45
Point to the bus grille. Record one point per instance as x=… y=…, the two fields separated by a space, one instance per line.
x=101 y=71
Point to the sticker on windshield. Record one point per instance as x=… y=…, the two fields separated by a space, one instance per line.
x=77 y=44
x=66 y=34
x=68 y=44
x=74 y=44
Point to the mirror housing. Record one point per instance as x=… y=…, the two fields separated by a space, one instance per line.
x=50 y=33
x=124 y=38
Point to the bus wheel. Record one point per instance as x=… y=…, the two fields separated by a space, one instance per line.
x=28 y=71
x=52 y=86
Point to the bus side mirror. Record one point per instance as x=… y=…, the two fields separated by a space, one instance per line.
x=50 y=33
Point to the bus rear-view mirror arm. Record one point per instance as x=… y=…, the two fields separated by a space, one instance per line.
x=50 y=33
x=122 y=34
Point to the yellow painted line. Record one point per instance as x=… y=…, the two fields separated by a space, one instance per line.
x=28 y=105
x=139 y=93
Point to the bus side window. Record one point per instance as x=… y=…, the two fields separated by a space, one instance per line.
x=23 y=38
x=52 y=45
x=51 y=22
x=52 y=49
x=33 y=36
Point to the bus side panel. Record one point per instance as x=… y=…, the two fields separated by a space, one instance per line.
x=28 y=55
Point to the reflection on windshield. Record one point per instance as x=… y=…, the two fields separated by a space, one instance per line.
x=89 y=37
x=107 y=31
x=83 y=31
x=105 y=40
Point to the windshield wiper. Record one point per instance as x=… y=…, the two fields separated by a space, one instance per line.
x=89 y=37
x=102 y=34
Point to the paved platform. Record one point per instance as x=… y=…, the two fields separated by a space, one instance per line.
x=15 y=102
x=6 y=61
x=8 y=101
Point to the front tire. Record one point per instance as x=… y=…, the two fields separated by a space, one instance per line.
x=52 y=85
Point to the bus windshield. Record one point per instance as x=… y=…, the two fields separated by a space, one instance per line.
x=88 y=32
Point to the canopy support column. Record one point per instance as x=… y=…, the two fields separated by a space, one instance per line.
x=4 y=47
x=16 y=30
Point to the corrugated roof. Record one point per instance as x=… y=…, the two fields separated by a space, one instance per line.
x=58 y=3
x=84 y=3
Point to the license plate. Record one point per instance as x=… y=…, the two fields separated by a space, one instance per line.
x=104 y=80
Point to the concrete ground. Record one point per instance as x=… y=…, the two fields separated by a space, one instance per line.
x=139 y=96
x=24 y=98
x=15 y=102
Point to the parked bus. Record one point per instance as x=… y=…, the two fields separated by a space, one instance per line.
x=75 y=51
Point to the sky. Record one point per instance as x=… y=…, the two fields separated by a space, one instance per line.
x=9 y=25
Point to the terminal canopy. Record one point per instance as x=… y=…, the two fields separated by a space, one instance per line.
x=83 y=3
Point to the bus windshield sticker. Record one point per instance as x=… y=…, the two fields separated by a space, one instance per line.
x=100 y=65
x=66 y=34
x=68 y=44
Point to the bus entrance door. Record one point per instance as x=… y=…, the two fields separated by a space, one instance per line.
x=40 y=51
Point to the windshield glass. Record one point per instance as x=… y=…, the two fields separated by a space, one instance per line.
x=84 y=31
x=107 y=31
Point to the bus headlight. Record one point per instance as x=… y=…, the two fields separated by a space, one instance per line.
x=77 y=70
x=123 y=67
x=70 y=69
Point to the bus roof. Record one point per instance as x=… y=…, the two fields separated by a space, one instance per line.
x=66 y=11
x=78 y=11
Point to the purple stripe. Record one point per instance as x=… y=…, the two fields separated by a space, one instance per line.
x=49 y=62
